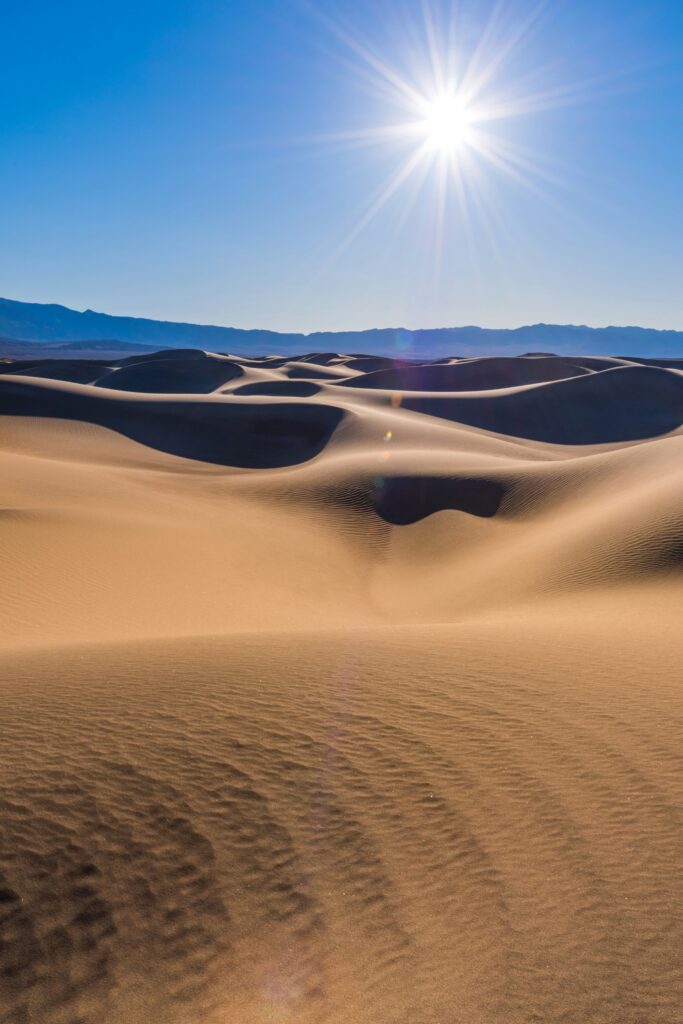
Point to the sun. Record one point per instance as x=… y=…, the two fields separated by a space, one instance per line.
x=447 y=124
x=449 y=101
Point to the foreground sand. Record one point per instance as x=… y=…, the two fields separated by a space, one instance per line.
x=377 y=720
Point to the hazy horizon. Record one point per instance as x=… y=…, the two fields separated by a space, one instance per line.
x=360 y=330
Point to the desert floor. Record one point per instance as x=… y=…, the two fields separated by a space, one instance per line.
x=339 y=690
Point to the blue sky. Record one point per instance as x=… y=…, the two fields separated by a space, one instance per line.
x=216 y=162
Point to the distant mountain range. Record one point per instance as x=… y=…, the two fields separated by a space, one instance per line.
x=67 y=332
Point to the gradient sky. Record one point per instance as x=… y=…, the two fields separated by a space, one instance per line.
x=195 y=161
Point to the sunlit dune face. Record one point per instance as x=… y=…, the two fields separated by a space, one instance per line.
x=447 y=124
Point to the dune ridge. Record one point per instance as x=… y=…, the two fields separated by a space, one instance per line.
x=341 y=689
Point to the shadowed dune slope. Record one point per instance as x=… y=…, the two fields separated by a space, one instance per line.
x=406 y=499
x=173 y=376
x=341 y=705
x=255 y=435
x=165 y=355
x=620 y=404
x=78 y=371
x=279 y=388
x=470 y=375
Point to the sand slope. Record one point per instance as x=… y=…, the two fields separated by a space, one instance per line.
x=329 y=701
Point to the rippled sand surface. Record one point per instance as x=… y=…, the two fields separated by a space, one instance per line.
x=377 y=720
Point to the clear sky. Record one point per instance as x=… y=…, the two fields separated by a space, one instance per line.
x=275 y=163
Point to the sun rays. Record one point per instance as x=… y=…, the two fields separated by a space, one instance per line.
x=450 y=100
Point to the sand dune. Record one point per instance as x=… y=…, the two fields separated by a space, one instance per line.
x=472 y=374
x=172 y=376
x=622 y=403
x=255 y=434
x=336 y=689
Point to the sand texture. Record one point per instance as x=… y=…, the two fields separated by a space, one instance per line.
x=341 y=690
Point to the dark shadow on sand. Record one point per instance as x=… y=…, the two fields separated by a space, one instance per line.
x=251 y=435
x=401 y=500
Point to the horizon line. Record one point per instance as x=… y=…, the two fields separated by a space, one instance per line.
x=361 y=330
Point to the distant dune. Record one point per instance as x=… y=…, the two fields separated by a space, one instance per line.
x=340 y=689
